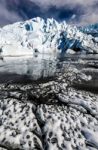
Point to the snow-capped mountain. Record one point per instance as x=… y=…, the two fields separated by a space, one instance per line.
x=44 y=36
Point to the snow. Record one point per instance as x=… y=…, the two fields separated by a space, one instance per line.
x=17 y=122
x=47 y=36
x=70 y=51
x=66 y=118
x=26 y=46
x=57 y=117
x=91 y=137
x=90 y=29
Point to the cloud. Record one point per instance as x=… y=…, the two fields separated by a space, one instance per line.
x=79 y=12
x=7 y=16
x=64 y=3
x=87 y=13
x=73 y=16
x=89 y=17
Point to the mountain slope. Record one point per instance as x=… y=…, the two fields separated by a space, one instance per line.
x=44 y=36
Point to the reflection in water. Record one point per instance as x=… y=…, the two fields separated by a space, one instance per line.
x=45 y=65
x=41 y=66
x=33 y=66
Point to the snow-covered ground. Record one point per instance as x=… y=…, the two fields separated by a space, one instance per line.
x=52 y=115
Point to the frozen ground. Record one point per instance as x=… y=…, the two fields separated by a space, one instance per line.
x=58 y=113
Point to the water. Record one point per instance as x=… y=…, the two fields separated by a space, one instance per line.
x=44 y=65
x=33 y=67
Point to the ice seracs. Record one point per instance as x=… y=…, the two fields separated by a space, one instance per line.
x=90 y=29
x=47 y=36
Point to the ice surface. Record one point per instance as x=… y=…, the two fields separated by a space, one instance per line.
x=47 y=36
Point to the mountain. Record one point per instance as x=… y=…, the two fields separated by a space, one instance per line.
x=44 y=36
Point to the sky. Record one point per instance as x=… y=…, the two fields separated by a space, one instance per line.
x=77 y=12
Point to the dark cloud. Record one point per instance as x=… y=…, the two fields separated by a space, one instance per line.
x=6 y=15
x=79 y=12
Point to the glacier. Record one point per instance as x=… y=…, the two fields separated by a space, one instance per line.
x=44 y=36
x=90 y=29
x=57 y=113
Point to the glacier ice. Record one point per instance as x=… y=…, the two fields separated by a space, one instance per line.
x=90 y=29
x=46 y=36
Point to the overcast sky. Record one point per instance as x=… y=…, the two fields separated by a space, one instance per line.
x=79 y=12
